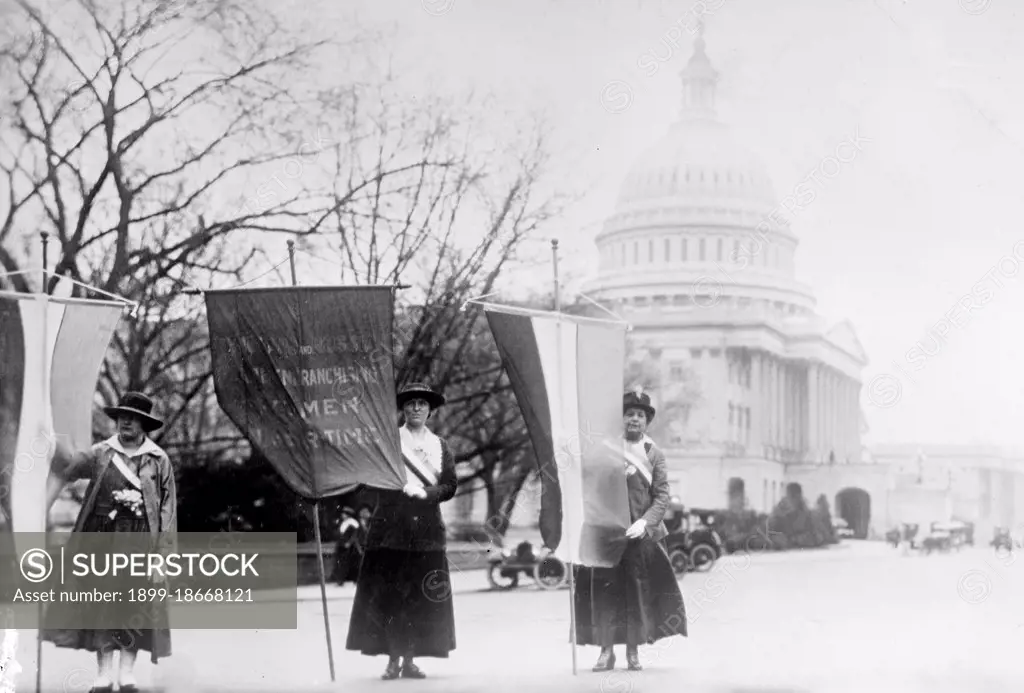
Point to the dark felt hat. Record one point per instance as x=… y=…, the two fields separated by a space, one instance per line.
x=422 y=391
x=138 y=405
x=638 y=399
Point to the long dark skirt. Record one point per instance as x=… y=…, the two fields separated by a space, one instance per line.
x=635 y=603
x=346 y=564
x=144 y=616
x=403 y=605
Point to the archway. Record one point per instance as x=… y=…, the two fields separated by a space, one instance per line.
x=854 y=506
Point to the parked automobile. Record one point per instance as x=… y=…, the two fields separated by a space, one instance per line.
x=842 y=528
x=548 y=571
x=1002 y=541
x=692 y=542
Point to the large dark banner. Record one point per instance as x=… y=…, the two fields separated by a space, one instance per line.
x=307 y=375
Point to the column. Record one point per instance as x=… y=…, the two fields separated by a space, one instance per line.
x=773 y=412
x=779 y=403
x=783 y=404
x=844 y=418
x=756 y=402
x=826 y=433
x=791 y=407
x=812 y=410
x=831 y=418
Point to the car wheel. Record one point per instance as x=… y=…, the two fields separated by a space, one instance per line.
x=550 y=573
x=680 y=561
x=702 y=557
x=499 y=581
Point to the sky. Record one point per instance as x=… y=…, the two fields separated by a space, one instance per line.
x=926 y=210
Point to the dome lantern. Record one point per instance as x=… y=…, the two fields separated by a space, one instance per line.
x=699 y=80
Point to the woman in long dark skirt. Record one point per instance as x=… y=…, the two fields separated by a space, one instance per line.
x=131 y=489
x=638 y=601
x=403 y=603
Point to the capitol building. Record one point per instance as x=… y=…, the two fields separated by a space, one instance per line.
x=698 y=260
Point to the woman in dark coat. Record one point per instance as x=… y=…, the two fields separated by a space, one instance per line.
x=638 y=601
x=403 y=603
x=131 y=489
x=348 y=551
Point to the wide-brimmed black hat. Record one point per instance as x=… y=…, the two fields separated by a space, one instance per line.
x=638 y=399
x=419 y=391
x=136 y=404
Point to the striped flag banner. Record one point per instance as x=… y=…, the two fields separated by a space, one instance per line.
x=567 y=373
x=51 y=351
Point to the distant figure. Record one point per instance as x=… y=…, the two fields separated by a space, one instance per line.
x=348 y=552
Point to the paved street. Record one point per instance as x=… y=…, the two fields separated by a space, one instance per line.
x=856 y=618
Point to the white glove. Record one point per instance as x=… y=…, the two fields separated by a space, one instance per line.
x=637 y=529
x=414 y=491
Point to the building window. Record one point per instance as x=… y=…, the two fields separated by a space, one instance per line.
x=703 y=249
x=696 y=353
x=636 y=252
x=714 y=353
x=650 y=250
x=675 y=371
x=668 y=250
x=684 y=242
x=736 y=252
x=719 y=249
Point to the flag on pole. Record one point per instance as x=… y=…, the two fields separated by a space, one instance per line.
x=567 y=373
x=306 y=373
x=51 y=351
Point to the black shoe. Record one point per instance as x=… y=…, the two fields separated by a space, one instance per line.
x=633 y=660
x=411 y=671
x=102 y=689
x=606 y=662
x=392 y=671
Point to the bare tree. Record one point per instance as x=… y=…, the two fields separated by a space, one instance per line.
x=128 y=129
x=430 y=194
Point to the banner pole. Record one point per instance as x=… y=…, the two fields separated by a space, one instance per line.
x=554 y=261
x=45 y=389
x=323 y=582
x=316 y=523
x=571 y=566
x=291 y=261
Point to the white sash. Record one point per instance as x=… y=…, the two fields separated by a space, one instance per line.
x=431 y=473
x=122 y=467
x=638 y=463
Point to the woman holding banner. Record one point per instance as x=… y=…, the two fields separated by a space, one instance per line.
x=637 y=602
x=131 y=489
x=403 y=604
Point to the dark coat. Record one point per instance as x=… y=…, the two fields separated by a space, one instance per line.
x=158 y=497
x=414 y=524
x=650 y=502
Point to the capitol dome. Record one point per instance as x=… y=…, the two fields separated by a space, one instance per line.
x=698 y=161
x=695 y=207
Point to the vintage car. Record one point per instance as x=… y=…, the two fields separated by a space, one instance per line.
x=505 y=567
x=842 y=528
x=692 y=542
